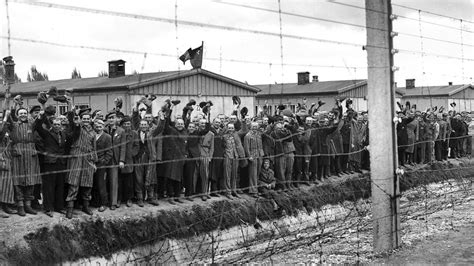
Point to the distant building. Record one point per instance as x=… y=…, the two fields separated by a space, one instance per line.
x=444 y=95
x=100 y=92
x=290 y=94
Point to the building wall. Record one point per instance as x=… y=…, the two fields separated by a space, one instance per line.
x=102 y=101
x=423 y=103
x=359 y=104
x=221 y=104
x=292 y=101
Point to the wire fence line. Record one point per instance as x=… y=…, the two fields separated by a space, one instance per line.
x=352 y=220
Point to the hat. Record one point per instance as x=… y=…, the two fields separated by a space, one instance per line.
x=151 y=97
x=85 y=111
x=287 y=112
x=118 y=102
x=281 y=107
x=42 y=97
x=99 y=121
x=8 y=59
x=94 y=114
x=176 y=102
x=18 y=99
x=52 y=91
x=50 y=110
x=202 y=104
x=35 y=108
x=236 y=100
x=348 y=102
x=166 y=107
x=244 y=112
x=191 y=102
x=125 y=119
x=187 y=108
x=119 y=114
x=109 y=114
x=205 y=109
x=61 y=98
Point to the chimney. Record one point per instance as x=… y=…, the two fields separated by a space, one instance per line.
x=450 y=83
x=116 y=68
x=303 y=78
x=410 y=83
x=315 y=78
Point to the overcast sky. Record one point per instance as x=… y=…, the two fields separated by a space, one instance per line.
x=153 y=37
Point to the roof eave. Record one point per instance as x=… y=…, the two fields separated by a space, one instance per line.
x=459 y=89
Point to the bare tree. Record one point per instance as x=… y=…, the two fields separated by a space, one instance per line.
x=103 y=73
x=35 y=75
x=76 y=74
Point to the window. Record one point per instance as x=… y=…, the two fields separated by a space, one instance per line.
x=62 y=109
x=292 y=107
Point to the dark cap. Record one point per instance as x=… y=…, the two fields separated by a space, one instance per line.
x=85 y=111
x=125 y=119
x=110 y=113
x=50 y=110
x=35 y=108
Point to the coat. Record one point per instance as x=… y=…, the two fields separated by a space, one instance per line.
x=104 y=150
x=206 y=146
x=25 y=162
x=131 y=150
x=357 y=139
x=334 y=139
x=174 y=151
x=7 y=192
x=253 y=145
x=402 y=134
x=81 y=164
x=54 y=143
x=119 y=145
x=412 y=135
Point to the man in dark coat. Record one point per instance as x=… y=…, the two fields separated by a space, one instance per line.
x=402 y=136
x=54 y=141
x=174 y=156
x=145 y=159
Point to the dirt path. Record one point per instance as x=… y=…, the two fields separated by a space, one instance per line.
x=453 y=247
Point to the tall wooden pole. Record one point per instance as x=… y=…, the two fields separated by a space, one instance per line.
x=383 y=142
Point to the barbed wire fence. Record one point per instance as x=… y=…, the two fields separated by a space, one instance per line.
x=331 y=213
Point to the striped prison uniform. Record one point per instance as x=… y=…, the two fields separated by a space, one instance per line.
x=25 y=164
x=81 y=163
x=6 y=182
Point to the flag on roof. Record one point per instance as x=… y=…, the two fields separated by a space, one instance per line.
x=194 y=55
